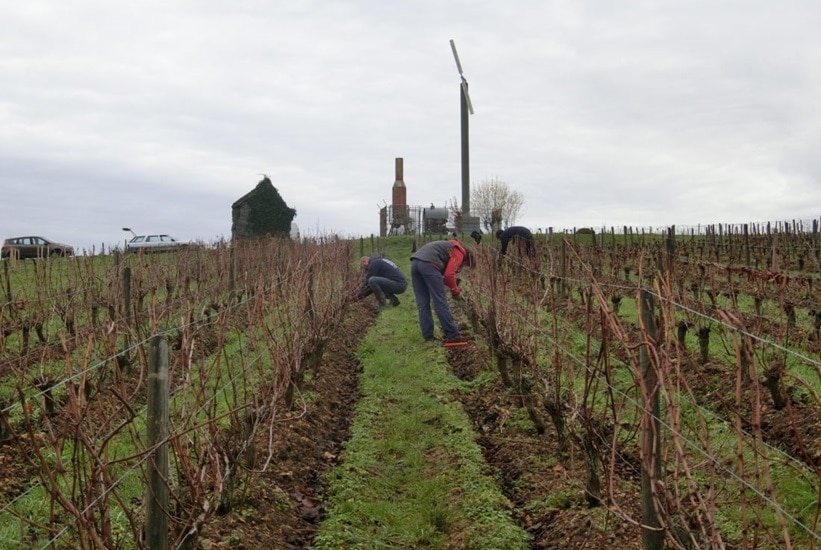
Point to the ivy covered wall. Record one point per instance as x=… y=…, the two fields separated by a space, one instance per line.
x=261 y=212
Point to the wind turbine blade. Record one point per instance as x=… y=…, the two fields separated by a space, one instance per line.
x=456 y=56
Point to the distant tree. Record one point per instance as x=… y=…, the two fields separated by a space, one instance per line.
x=496 y=204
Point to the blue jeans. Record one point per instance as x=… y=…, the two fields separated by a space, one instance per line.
x=388 y=286
x=428 y=284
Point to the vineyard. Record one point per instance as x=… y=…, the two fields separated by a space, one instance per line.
x=240 y=329
x=680 y=371
x=670 y=381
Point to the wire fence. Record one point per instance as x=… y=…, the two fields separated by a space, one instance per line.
x=243 y=325
x=518 y=299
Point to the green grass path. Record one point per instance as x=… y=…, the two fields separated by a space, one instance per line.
x=412 y=474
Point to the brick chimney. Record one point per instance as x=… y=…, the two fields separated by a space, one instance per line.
x=400 y=192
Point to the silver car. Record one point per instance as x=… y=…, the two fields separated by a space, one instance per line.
x=154 y=243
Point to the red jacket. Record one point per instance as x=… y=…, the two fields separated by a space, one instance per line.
x=457 y=256
x=447 y=256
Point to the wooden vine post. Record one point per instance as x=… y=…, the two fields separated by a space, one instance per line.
x=126 y=313
x=232 y=277
x=127 y=295
x=563 y=271
x=156 y=533
x=4 y=420
x=8 y=281
x=670 y=250
x=652 y=536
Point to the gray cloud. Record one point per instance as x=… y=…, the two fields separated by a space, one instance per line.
x=158 y=115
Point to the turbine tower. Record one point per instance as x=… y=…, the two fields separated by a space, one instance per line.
x=469 y=223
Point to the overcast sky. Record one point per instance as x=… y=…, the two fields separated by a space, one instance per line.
x=158 y=115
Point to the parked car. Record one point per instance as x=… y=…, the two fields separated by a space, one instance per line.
x=154 y=243
x=34 y=247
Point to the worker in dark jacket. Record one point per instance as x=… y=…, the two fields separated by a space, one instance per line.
x=520 y=237
x=434 y=267
x=383 y=279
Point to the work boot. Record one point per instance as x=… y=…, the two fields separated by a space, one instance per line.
x=394 y=300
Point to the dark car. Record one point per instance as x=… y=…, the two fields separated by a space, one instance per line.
x=34 y=247
x=154 y=243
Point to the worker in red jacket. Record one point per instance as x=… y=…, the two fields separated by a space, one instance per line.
x=434 y=267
